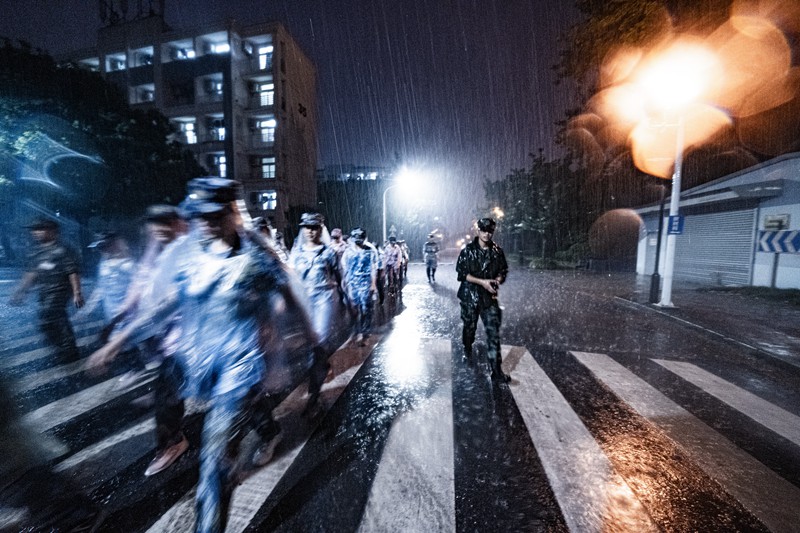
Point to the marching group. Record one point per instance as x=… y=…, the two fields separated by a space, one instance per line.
x=213 y=307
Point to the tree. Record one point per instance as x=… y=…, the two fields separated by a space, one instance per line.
x=72 y=144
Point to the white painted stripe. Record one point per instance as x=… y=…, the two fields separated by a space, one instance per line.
x=592 y=496
x=771 y=416
x=414 y=487
x=771 y=498
x=251 y=494
x=37 y=379
x=56 y=413
x=40 y=353
x=37 y=338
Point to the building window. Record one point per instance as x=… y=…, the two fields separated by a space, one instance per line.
x=115 y=63
x=185 y=53
x=220 y=48
x=266 y=200
x=268 y=167
x=216 y=129
x=266 y=94
x=189 y=133
x=214 y=87
x=265 y=130
x=265 y=57
x=220 y=164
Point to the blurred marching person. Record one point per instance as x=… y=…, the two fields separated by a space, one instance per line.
x=53 y=266
x=430 y=252
x=114 y=276
x=360 y=267
x=403 y=261
x=224 y=289
x=338 y=244
x=280 y=246
x=481 y=269
x=380 y=277
x=318 y=267
x=33 y=496
x=392 y=263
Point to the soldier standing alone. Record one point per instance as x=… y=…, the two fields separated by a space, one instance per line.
x=481 y=269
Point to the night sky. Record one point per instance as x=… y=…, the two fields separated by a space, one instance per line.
x=462 y=87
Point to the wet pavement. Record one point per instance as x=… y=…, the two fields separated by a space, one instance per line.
x=620 y=416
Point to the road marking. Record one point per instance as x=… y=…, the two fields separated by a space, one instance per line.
x=38 y=337
x=52 y=374
x=414 y=487
x=771 y=498
x=40 y=353
x=591 y=495
x=771 y=416
x=60 y=411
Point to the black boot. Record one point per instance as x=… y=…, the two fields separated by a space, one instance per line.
x=467 y=355
x=497 y=371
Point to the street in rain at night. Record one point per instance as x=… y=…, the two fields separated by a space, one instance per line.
x=399 y=266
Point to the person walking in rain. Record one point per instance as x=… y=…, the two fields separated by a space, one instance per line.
x=360 y=268
x=317 y=265
x=481 y=269
x=392 y=264
x=53 y=267
x=224 y=290
x=430 y=252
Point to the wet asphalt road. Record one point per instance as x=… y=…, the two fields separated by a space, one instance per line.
x=412 y=438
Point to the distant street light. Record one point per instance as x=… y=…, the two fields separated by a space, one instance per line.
x=407 y=180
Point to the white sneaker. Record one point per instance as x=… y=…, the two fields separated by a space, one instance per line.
x=165 y=458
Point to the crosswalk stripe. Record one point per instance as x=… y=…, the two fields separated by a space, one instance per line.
x=592 y=496
x=414 y=488
x=69 y=407
x=38 y=337
x=49 y=375
x=250 y=495
x=771 y=416
x=771 y=498
x=39 y=353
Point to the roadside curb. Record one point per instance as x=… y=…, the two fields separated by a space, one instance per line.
x=637 y=305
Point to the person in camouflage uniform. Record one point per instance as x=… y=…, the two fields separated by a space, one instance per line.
x=481 y=269
x=430 y=252
x=54 y=267
x=360 y=273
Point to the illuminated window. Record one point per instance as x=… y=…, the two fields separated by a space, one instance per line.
x=220 y=48
x=189 y=132
x=220 y=162
x=185 y=53
x=266 y=200
x=268 y=167
x=266 y=94
x=266 y=130
x=265 y=57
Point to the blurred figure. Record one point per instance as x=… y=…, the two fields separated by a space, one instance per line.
x=280 y=247
x=392 y=264
x=360 y=268
x=481 y=269
x=404 y=258
x=430 y=252
x=318 y=268
x=114 y=275
x=54 y=267
x=223 y=289
x=338 y=244
x=42 y=499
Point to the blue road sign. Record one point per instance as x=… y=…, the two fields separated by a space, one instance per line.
x=675 y=225
x=779 y=242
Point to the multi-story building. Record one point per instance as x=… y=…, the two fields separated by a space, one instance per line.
x=242 y=98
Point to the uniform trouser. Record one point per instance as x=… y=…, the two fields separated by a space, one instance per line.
x=430 y=269
x=170 y=407
x=491 y=316
x=362 y=301
x=323 y=307
x=169 y=403
x=392 y=276
x=226 y=423
x=56 y=327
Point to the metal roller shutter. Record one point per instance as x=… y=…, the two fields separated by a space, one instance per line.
x=716 y=248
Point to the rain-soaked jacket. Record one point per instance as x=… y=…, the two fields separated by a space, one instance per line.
x=483 y=264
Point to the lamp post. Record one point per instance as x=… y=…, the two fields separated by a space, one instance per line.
x=655 y=280
x=674 y=209
x=390 y=187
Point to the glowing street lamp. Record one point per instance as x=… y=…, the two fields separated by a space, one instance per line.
x=670 y=83
x=408 y=181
